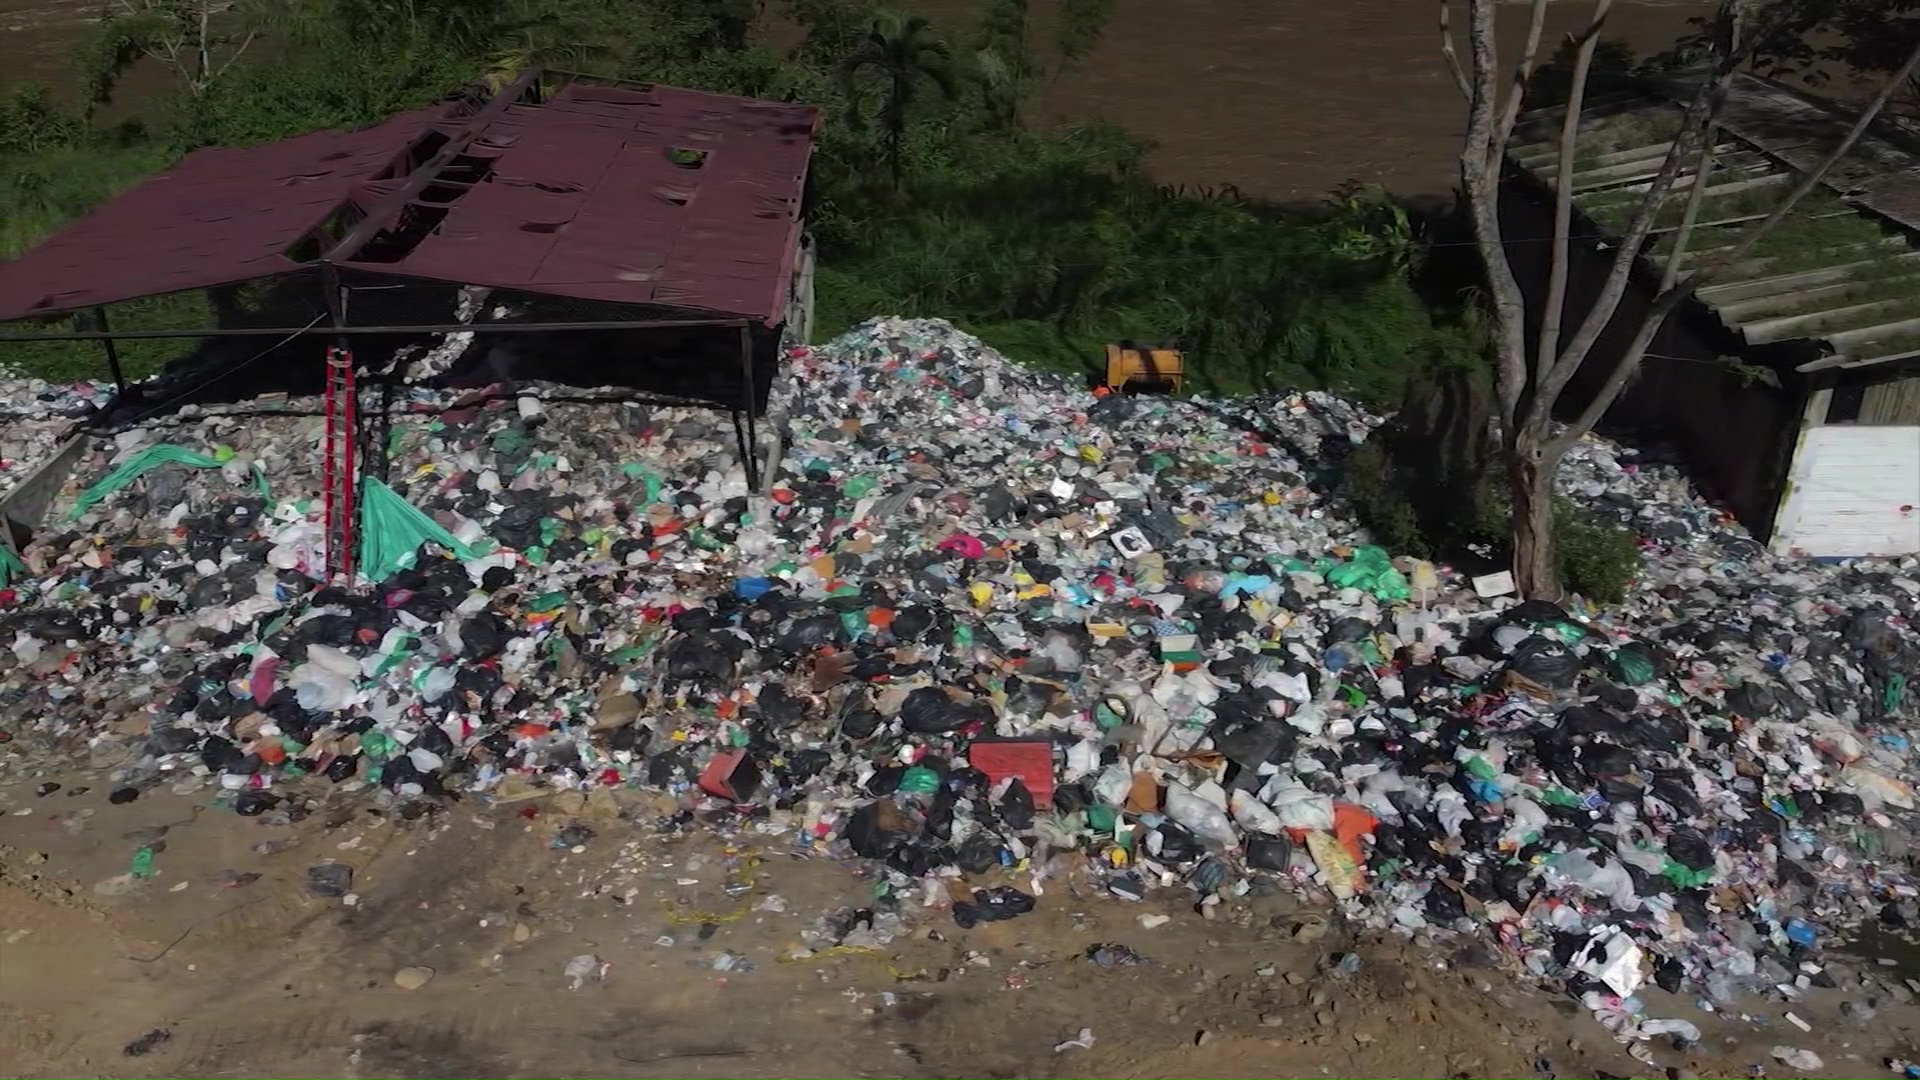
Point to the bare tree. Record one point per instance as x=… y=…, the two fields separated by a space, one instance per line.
x=1531 y=376
x=197 y=41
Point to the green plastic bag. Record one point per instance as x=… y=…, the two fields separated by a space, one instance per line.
x=1685 y=876
x=1370 y=569
x=919 y=781
x=10 y=567
x=392 y=530
x=1632 y=665
x=153 y=457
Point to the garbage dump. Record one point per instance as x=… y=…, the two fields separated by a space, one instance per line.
x=985 y=622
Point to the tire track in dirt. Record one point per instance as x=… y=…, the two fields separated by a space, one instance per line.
x=383 y=1039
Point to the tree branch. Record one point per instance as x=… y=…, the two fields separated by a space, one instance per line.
x=1696 y=194
x=1522 y=72
x=236 y=54
x=1480 y=186
x=1453 y=58
x=1698 y=114
x=1547 y=349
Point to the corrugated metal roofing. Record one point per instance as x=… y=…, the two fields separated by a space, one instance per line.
x=629 y=194
x=219 y=217
x=1828 y=272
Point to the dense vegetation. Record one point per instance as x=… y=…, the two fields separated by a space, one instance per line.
x=932 y=194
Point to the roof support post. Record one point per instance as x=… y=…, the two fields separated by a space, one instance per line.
x=113 y=349
x=749 y=397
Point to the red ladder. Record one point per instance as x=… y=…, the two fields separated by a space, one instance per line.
x=337 y=473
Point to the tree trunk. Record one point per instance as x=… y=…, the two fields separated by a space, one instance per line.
x=1530 y=485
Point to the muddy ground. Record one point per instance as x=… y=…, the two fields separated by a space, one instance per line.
x=205 y=969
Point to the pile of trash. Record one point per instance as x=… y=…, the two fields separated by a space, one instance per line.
x=985 y=624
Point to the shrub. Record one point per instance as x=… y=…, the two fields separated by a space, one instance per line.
x=1376 y=491
x=1595 y=559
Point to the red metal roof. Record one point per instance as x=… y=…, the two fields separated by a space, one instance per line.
x=632 y=194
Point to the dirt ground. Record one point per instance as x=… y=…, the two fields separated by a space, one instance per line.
x=204 y=969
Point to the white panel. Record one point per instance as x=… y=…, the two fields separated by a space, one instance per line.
x=1855 y=490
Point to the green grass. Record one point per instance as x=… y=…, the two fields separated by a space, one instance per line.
x=45 y=189
x=42 y=191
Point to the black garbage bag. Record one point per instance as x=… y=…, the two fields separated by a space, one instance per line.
x=328 y=629
x=1445 y=905
x=1752 y=700
x=872 y=835
x=1620 y=791
x=1069 y=798
x=1690 y=849
x=1029 y=697
x=1016 y=806
x=1269 y=853
x=1606 y=760
x=997 y=904
x=929 y=711
x=1253 y=746
x=860 y=721
x=1590 y=721
x=1535 y=613
x=1870 y=631
x=808 y=634
x=1515 y=883
x=978 y=854
x=218 y=753
x=796 y=767
x=484 y=635
x=1174 y=845
x=912 y=622
x=885 y=780
x=704 y=657
x=919 y=860
x=780 y=707
x=1348 y=629
x=1676 y=790
x=1546 y=662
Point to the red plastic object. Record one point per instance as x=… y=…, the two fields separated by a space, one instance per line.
x=1029 y=759
x=731 y=776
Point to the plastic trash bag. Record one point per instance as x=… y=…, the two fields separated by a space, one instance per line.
x=392 y=530
x=1371 y=569
x=11 y=568
x=153 y=457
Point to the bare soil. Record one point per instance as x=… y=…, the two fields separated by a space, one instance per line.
x=1284 y=99
x=203 y=970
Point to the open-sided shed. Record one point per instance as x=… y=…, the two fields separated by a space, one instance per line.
x=583 y=205
x=1792 y=384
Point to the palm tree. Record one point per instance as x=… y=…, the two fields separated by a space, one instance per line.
x=899 y=52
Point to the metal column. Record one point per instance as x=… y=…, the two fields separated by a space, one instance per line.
x=749 y=391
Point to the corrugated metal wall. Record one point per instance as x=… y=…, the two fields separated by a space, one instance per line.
x=1895 y=402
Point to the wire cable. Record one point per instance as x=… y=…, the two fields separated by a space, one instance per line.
x=216 y=377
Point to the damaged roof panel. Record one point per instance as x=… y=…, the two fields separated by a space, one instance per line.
x=1830 y=271
x=634 y=194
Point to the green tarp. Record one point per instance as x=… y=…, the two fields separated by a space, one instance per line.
x=392 y=530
